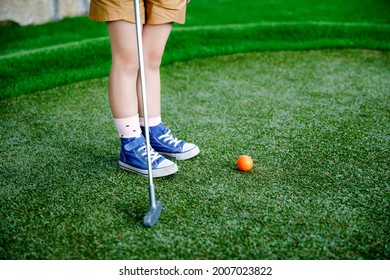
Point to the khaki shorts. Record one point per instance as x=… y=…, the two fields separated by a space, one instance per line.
x=152 y=11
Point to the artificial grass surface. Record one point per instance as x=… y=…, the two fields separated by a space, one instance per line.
x=41 y=57
x=315 y=122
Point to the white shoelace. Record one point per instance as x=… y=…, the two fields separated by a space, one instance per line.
x=167 y=137
x=153 y=154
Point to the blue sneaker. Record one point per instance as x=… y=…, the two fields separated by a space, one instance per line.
x=164 y=143
x=133 y=157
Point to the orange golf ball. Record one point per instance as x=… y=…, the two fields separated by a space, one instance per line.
x=244 y=163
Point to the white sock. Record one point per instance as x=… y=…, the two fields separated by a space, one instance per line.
x=151 y=121
x=128 y=127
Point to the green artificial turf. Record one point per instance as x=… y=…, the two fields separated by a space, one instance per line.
x=315 y=122
x=35 y=58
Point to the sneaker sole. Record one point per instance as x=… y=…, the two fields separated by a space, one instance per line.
x=161 y=172
x=183 y=156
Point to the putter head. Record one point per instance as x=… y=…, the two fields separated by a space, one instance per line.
x=152 y=216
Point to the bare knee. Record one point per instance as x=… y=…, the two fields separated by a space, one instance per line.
x=127 y=64
x=153 y=59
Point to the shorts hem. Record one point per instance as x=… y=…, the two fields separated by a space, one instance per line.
x=154 y=14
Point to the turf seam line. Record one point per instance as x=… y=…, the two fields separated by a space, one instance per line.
x=282 y=23
x=52 y=48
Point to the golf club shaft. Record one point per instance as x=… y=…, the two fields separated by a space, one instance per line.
x=144 y=99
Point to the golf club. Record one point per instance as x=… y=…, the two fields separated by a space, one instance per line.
x=155 y=206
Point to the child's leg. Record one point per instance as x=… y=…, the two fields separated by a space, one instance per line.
x=124 y=69
x=154 y=39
